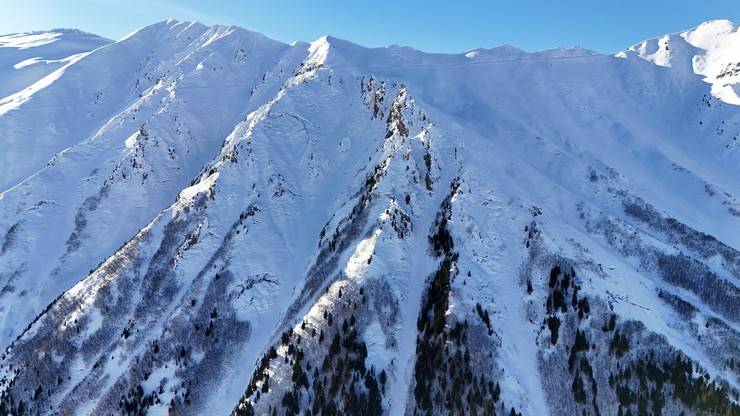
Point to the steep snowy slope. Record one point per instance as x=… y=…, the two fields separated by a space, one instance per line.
x=128 y=157
x=370 y=231
x=709 y=50
x=27 y=57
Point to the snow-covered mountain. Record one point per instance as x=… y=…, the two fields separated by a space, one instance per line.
x=202 y=220
x=27 y=57
x=709 y=50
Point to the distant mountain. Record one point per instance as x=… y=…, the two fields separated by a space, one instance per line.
x=709 y=50
x=202 y=220
x=27 y=57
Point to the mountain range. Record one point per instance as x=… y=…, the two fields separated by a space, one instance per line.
x=203 y=220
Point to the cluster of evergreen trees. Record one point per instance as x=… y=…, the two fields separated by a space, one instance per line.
x=561 y=285
x=337 y=383
x=9 y=406
x=644 y=383
x=446 y=380
x=136 y=403
x=400 y=221
x=562 y=301
x=644 y=386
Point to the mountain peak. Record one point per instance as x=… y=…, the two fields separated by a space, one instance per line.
x=709 y=50
x=717 y=27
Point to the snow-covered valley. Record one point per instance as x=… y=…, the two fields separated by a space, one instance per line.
x=202 y=220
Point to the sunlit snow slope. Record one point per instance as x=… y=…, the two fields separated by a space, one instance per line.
x=27 y=57
x=709 y=50
x=201 y=220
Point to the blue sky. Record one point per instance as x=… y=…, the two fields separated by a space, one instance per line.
x=437 y=26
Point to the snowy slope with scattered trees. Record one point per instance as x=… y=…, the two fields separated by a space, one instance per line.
x=201 y=220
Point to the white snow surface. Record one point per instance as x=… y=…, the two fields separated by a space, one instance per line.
x=709 y=50
x=28 y=57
